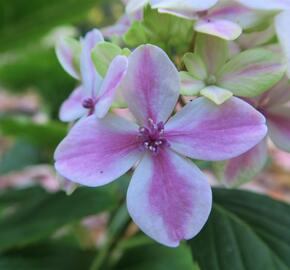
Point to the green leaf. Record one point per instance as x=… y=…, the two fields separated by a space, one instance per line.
x=245 y=231
x=195 y=66
x=23 y=22
x=47 y=256
x=216 y=94
x=156 y=257
x=46 y=135
x=213 y=51
x=251 y=72
x=20 y=155
x=39 y=219
x=171 y=33
x=103 y=54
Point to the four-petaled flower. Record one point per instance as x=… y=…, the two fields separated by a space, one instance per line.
x=95 y=95
x=168 y=197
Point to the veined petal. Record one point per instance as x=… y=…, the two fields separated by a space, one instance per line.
x=112 y=81
x=135 y=5
x=151 y=87
x=169 y=198
x=221 y=28
x=183 y=5
x=244 y=168
x=279 y=126
x=98 y=151
x=203 y=130
x=282 y=22
x=65 y=52
x=72 y=108
x=91 y=78
x=190 y=86
x=266 y=5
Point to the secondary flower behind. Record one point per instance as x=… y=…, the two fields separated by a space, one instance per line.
x=169 y=198
x=95 y=94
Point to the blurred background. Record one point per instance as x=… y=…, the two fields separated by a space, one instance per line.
x=41 y=227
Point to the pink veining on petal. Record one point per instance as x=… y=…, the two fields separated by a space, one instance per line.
x=170 y=196
x=151 y=87
x=96 y=152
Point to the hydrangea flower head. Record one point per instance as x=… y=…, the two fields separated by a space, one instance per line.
x=168 y=197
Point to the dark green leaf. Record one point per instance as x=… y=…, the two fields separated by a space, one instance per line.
x=245 y=231
x=38 y=220
x=156 y=257
x=48 y=256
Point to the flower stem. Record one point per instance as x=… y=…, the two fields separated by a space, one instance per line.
x=118 y=225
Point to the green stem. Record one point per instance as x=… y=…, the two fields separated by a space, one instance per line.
x=118 y=224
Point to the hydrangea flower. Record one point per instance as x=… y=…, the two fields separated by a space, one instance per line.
x=275 y=106
x=168 y=197
x=95 y=94
x=282 y=20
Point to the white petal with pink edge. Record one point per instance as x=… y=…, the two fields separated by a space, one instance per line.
x=151 y=87
x=206 y=131
x=169 y=198
x=91 y=79
x=278 y=119
x=221 y=28
x=266 y=4
x=115 y=74
x=72 y=108
x=96 y=152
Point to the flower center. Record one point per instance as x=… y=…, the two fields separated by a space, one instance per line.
x=152 y=136
x=89 y=103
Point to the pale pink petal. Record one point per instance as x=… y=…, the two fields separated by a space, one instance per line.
x=115 y=74
x=151 y=87
x=72 y=108
x=277 y=96
x=65 y=55
x=169 y=198
x=203 y=130
x=266 y=4
x=245 y=167
x=91 y=78
x=279 y=126
x=183 y=5
x=221 y=28
x=282 y=22
x=186 y=14
x=98 y=151
x=235 y=12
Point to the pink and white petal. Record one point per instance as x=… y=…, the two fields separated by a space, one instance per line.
x=206 y=131
x=135 y=5
x=115 y=74
x=184 y=5
x=244 y=168
x=282 y=22
x=279 y=126
x=235 y=12
x=65 y=55
x=91 y=78
x=151 y=87
x=169 y=198
x=186 y=14
x=72 y=108
x=118 y=29
x=266 y=5
x=277 y=96
x=221 y=28
x=98 y=151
